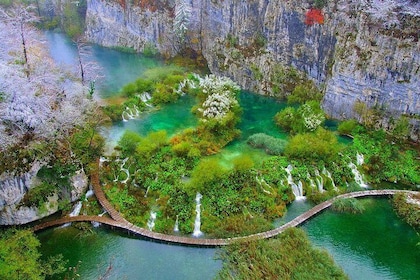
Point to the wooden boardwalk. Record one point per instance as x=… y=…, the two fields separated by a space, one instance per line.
x=117 y=220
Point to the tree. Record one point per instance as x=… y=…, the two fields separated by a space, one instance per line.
x=20 y=258
x=20 y=16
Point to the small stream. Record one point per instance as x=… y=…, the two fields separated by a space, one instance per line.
x=374 y=245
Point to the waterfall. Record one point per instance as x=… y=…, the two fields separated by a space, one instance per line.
x=360 y=159
x=125 y=170
x=147 y=191
x=328 y=174
x=261 y=182
x=358 y=178
x=197 y=223
x=130 y=113
x=151 y=221
x=76 y=209
x=176 y=227
x=311 y=182
x=319 y=181
x=296 y=189
x=75 y=212
x=89 y=193
x=145 y=98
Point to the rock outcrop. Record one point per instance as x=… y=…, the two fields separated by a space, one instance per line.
x=14 y=188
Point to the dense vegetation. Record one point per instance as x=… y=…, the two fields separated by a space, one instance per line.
x=288 y=256
x=407 y=210
x=20 y=258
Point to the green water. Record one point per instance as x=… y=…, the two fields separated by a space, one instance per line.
x=374 y=245
x=130 y=258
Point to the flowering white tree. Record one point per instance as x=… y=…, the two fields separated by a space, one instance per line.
x=312 y=118
x=221 y=96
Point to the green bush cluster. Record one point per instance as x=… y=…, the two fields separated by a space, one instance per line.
x=307 y=117
x=271 y=145
x=20 y=257
x=409 y=212
x=159 y=82
x=351 y=205
x=385 y=160
x=288 y=256
x=347 y=127
x=320 y=145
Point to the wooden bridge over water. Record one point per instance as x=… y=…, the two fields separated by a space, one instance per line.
x=117 y=220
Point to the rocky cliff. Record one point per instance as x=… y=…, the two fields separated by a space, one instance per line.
x=357 y=51
x=13 y=189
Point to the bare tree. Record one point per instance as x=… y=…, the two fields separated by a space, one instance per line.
x=21 y=16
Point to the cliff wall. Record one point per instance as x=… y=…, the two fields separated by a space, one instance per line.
x=13 y=189
x=358 y=51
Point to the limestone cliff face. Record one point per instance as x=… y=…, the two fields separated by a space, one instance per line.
x=119 y=23
x=13 y=189
x=365 y=51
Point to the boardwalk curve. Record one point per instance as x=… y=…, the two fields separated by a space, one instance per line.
x=118 y=221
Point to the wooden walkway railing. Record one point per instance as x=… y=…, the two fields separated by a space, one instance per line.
x=118 y=221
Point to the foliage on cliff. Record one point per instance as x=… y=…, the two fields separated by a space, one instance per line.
x=288 y=256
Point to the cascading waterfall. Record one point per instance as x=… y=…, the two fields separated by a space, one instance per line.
x=147 y=191
x=311 y=182
x=176 y=227
x=319 y=181
x=262 y=182
x=358 y=178
x=197 y=223
x=75 y=212
x=89 y=193
x=296 y=189
x=130 y=113
x=151 y=221
x=360 y=159
x=97 y=224
x=125 y=170
x=145 y=98
x=328 y=174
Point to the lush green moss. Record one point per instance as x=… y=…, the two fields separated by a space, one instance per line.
x=288 y=256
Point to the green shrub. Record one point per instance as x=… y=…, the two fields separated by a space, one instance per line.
x=36 y=196
x=287 y=256
x=271 y=145
x=285 y=118
x=321 y=145
x=129 y=142
x=304 y=93
x=409 y=212
x=351 y=205
x=347 y=127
